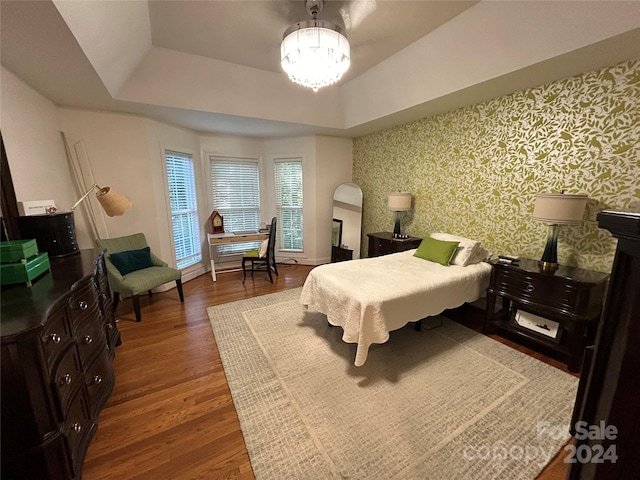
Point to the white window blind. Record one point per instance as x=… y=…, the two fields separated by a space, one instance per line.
x=184 y=208
x=235 y=190
x=289 y=204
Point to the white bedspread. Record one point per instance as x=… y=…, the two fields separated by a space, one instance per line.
x=370 y=297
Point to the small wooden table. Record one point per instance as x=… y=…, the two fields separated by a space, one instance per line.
x=571 y=297
x=216 y=239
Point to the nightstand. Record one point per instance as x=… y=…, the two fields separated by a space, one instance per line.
x=383 y=243
x=556 y=311
x=339 y=254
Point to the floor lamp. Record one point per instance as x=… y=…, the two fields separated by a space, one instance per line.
x=556 y=209
x=112 y=202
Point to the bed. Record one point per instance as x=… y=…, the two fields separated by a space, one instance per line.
x=371 y=297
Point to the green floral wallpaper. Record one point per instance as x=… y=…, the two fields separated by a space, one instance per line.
x=475 y=171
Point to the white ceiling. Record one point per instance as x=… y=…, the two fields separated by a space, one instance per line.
x=213 y=66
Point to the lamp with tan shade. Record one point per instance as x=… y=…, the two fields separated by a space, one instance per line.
x=557 y=209
x=112 y=202
x=399 y=202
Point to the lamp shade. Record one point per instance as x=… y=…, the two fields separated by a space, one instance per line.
x=112 y=202
x=559 y=208
x=399 y=201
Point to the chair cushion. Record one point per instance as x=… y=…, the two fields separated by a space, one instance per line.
x=131 y=260
x=255 y=253
x=263 y=248
x=147 y=279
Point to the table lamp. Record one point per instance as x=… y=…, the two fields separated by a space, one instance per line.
x=399 y=202
x=557 y=209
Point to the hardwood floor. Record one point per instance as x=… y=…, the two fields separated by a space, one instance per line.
x=171 y=415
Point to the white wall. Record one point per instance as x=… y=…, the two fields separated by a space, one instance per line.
x=126 y=153
x=32 y=137
x=334 y=157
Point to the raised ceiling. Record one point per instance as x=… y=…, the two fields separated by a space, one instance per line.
x=213 y=66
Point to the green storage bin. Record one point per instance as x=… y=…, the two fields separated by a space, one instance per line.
x=17 y=250
x=19 y=272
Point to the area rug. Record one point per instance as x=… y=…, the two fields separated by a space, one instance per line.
x=444 y=403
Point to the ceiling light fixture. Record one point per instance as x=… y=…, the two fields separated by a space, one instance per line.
x=314 y=53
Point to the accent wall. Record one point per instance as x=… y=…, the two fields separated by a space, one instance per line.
x=475 y=171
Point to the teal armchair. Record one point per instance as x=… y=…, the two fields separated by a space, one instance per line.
x=132 y=269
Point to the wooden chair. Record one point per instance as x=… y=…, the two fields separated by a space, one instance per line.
x=268 y=260
x=137 y=271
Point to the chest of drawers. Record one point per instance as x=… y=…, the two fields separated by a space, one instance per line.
x=53 y=232
x=58 y=341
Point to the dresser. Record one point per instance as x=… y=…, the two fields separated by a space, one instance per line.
x=54 y=233
x=609 y=386
x=58 y=344
x=383 y=243
x=557 y=311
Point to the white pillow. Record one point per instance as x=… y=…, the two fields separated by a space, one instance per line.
x=468 y=252
x=262 y=252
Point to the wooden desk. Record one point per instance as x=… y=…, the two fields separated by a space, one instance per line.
x=216 y=239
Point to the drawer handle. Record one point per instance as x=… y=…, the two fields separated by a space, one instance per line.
x=77 y=427
x=55 y=338
x=83 y=305
x=97 y=380
x=530 y=288
x=87 y=339
x=65 y=380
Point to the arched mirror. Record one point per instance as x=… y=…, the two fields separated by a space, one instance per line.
x=347 y=222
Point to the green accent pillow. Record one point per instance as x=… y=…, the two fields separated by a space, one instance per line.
x=438 y=251
x=132 y=260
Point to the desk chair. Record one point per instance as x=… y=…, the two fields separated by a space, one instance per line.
x=268 y=259
x=133 y=269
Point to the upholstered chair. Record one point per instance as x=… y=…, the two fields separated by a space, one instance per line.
x=262 y=257
x=133 y=269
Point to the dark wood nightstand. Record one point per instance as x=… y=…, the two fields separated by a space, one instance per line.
x=339 y=254
x=383 y=243
x=557 y=311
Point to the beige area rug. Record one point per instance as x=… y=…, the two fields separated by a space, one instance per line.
x=446 y=403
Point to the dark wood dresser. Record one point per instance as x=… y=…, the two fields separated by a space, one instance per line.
x=383 y=243
x=58 y=341
x=562 y=309
x=609 y=387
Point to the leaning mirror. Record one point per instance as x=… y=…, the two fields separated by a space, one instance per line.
x=347 y=222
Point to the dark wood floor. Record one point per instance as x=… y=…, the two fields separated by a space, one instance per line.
x=171 y=415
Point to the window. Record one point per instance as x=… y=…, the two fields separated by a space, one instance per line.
x=235 y=190
x=184 y=208
x=289 y=204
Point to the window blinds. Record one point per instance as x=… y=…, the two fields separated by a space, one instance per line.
x=235 y=189
x=288 y=175
x=184 y=208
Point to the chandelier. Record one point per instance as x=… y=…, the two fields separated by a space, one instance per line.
x=314 y=53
